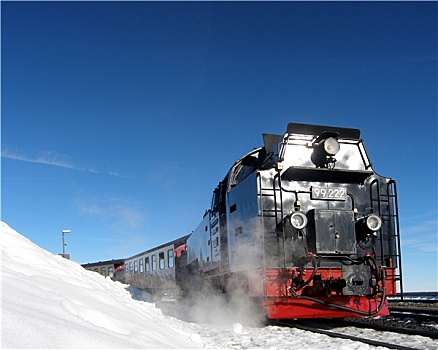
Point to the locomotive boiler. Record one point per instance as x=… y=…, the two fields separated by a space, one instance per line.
x=303 y=226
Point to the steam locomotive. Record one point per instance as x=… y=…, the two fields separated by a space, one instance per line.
x=303 y=226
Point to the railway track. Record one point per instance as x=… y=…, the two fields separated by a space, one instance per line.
x=404 y=319
x=407 y=338
x=419 y=314
x=390 y=327
x=411 y=300
x=321 y=330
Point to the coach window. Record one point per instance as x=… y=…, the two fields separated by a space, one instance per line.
x=141 y=265
x=170 y=260
x=102 y=271
x=135 y=266
x=161 y=257
x=110 y=271
x=96 y=269
x=154 y=262
x=148 y=266
x=130 y=266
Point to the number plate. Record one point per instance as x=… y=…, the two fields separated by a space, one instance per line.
x=330 y=193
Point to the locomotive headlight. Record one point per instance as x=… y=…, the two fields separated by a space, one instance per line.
x=325 y=148
x=298 y=220
x=374 y=223
x=331 y=146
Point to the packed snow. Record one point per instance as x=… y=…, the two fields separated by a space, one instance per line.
x=51 y=302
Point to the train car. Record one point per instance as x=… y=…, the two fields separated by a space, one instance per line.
x=303 y=226
x=156 y=270
x=106 y=268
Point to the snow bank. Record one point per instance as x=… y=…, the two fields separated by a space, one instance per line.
x=51 y=302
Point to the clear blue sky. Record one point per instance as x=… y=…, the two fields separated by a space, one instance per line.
x=119 y=119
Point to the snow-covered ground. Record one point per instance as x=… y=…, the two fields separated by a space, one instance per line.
x=51 y=302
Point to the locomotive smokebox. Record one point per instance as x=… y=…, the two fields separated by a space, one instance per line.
x=333 y=231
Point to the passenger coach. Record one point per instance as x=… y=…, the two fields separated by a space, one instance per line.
x=105 y=268
x=155 y=270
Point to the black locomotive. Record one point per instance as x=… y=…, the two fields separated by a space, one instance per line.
x=303 y=226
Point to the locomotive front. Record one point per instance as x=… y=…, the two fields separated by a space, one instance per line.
x=329 y=241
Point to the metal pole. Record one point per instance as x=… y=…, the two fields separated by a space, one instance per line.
x=63 y=244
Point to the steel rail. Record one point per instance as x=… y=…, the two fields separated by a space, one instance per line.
x=343 y=336
x=380 y=327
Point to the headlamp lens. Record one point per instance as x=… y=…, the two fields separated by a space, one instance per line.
x=374 y=223
x=298 y=220
x=331 y=146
